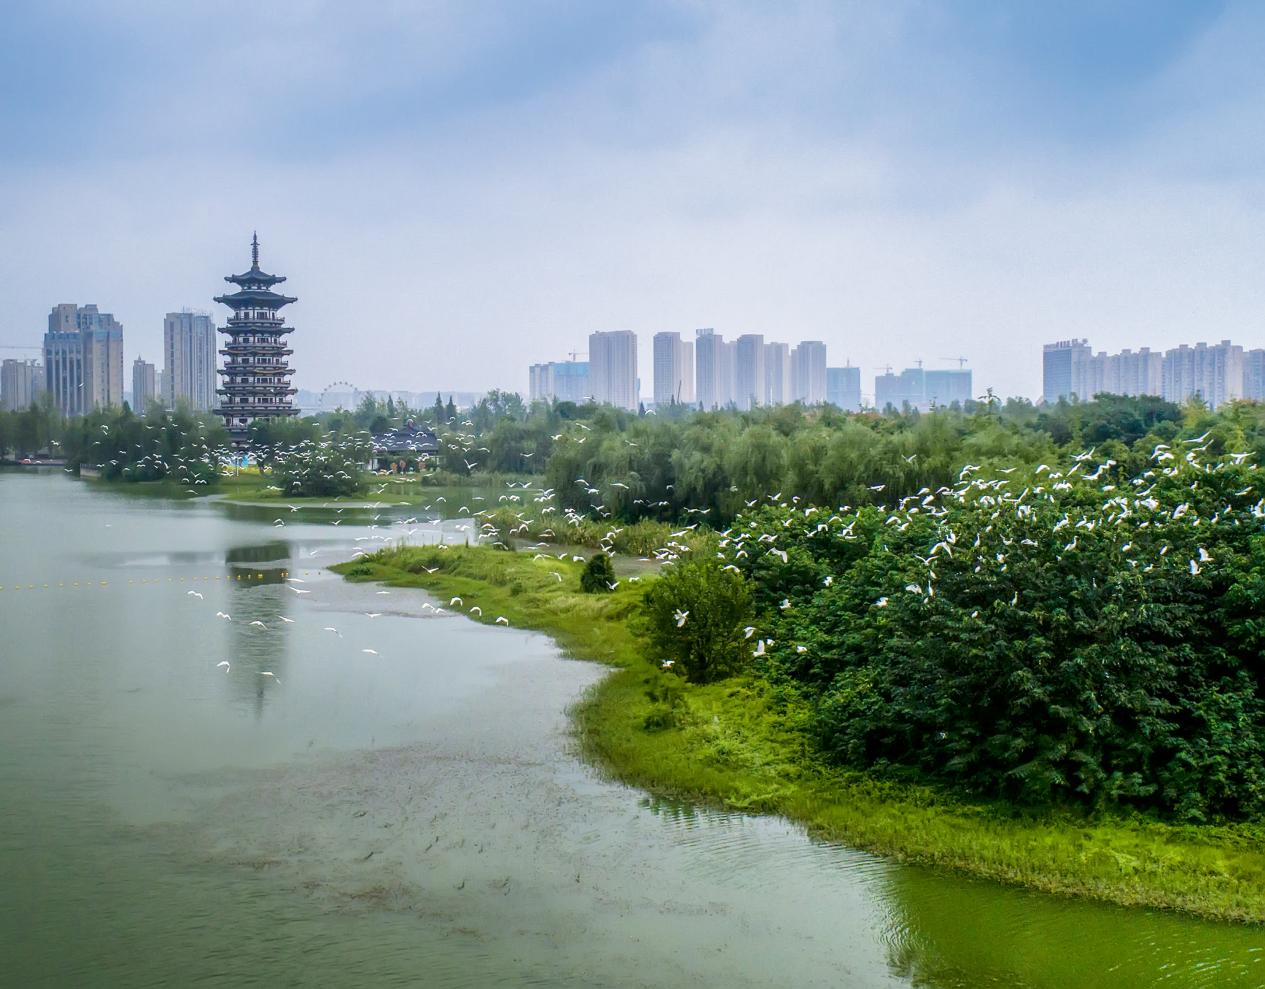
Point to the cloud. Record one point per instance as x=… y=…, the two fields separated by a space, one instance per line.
x=458 y=193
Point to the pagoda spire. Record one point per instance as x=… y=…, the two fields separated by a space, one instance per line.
x=254 y=249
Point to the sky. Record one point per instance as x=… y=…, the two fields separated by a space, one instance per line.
x=456 y=190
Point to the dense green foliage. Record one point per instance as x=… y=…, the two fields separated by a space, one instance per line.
x=696 y=615
x=28 y=431
x=320 y=468
x=1084 y=638
x=181 y=446
x=598 y=576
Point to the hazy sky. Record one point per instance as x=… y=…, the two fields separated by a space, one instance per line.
x=457 y=190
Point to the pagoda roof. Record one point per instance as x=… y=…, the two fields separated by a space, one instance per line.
x=255 y=276
x=258 y=297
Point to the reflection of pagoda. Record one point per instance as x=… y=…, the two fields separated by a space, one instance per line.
x=256 y=377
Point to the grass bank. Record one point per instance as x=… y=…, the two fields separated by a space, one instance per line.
x=738 y=745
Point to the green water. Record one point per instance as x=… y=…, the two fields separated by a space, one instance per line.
x=414 y=817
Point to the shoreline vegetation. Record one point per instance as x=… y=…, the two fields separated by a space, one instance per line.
x=741 y=745
x=1029 y=651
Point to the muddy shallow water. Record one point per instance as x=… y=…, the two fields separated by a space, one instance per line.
x=415 y=814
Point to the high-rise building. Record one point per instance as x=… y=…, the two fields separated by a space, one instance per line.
x=909 y=388
x=946 y=387
x=777 y=374
x=1213 y=373
x=750 y=382
x=144 y=385
x=1254 y=375
x=613 y=368
x=713 y=369
x=808 y=372
x=83 y=359
x=687 y=372
x=256 y=375
x=189 y=355
x=563 y=381
x=1140 y=373
x=843 y=387
x=673 y=369
x=1063 y=370
x=21 y=383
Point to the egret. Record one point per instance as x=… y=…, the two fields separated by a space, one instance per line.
x=224 y=663
x=195 y=594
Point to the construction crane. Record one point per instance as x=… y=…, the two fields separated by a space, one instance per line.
x=6 y=346
x=575 y=354
x=961 y=361
x=885 y=368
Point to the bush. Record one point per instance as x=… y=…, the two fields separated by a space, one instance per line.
x=694 y=616
x=598 y=576
x=320 y=469
x=1089 y=642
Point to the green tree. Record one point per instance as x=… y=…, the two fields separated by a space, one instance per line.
x=695 y=616
x=598 y=576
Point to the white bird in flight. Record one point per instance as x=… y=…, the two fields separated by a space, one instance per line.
x=224 y=663
x=680 y=617
x=195 y=594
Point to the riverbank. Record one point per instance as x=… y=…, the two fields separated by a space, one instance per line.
x=737 y=745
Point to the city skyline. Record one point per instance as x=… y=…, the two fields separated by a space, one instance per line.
x=929 y=173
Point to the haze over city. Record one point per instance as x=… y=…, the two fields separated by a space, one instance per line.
x=460 y=191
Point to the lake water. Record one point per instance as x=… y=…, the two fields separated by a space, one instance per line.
x=415 y=816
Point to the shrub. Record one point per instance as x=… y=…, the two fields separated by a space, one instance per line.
x=1081 y=641
x=694 y=616
x=598 y=575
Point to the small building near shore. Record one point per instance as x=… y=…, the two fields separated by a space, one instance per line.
x=407 y=448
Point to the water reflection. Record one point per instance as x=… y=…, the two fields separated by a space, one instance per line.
x=258 y=644
x=415 y=809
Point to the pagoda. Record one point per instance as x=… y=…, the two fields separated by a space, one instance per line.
x=256 y=376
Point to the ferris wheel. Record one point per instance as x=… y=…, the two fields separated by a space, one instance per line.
x=338 y=388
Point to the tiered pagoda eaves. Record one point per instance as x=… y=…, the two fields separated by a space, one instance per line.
x=255 y=378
